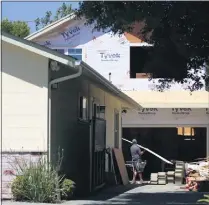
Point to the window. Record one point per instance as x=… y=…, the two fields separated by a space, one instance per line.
x=102 y=111
x=98 y=111
x=62 y=51
x=75 y=53
x=186 y=131
x=83 y=108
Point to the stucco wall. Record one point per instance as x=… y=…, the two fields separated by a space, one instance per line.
x=24 y=100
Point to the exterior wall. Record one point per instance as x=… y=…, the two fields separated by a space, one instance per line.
x=24 y=100
x=189 y=109
x=65 y=104
x=66 y=126
x=166 y=116
x=24 y=108
x=9 y=169
x=111 y=104
x=169 y=99
x=169 y=117
x=104 y=52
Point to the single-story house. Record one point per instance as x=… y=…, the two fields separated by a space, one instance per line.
x=51 y=101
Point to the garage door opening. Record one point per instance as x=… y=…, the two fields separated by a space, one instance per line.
x=177 y=143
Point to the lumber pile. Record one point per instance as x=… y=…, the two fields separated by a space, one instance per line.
x=154 y=178
x=179 y=172
x=171 y=177
x=162 y=178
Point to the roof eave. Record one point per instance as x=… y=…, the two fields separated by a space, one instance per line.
x=40 y=50
x=111 y=87
x=66 y=60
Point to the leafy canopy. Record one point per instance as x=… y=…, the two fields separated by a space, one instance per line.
x=16 y=28
x=61 y=12
x=178 y=30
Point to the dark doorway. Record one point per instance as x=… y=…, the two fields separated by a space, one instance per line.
x=167 y=143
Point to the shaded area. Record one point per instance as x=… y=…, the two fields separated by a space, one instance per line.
x=136 y=194
x=145 y=195
x=167 y=143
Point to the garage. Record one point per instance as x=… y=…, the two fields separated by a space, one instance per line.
x=173 y=124
x=182 y=143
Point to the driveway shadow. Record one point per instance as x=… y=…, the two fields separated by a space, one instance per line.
x=131 y=194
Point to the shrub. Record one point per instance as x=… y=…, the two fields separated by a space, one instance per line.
x=17 y=188
x=37 y=182
x=68 y=187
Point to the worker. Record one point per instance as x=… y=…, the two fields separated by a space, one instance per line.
x=136 y=161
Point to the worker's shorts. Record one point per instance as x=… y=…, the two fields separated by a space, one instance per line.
x=138 y=165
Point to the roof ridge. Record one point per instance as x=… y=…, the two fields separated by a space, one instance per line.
x=52 y=25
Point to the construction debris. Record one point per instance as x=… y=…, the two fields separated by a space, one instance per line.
x=195 y=174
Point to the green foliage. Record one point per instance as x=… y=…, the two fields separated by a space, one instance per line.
x=206 y=200
x=68 y=187
x=37 y=181
x=17 y=28
x=17 y=188
x=178 y=30
x=61 y=12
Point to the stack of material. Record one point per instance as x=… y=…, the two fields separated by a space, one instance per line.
x=179 y=172
x=154 y=178
x=170 y=177
x=162 y=178
x=204 y=169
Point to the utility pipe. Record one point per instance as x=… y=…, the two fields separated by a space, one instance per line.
x=58 y=80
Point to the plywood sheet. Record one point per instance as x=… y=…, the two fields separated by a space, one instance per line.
x=121 y=165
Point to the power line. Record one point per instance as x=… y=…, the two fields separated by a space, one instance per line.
x=25 y=21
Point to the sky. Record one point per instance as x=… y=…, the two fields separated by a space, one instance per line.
x=29 y=11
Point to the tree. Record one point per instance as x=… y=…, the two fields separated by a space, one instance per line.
x=16 y=28
x=179 y=32
x=61 y=12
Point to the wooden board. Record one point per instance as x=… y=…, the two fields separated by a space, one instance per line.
x=150 y=151
x=121 y=165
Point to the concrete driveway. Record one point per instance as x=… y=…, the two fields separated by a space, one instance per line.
x=132 y=194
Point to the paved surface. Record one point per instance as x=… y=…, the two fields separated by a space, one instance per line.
x=142 y=195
